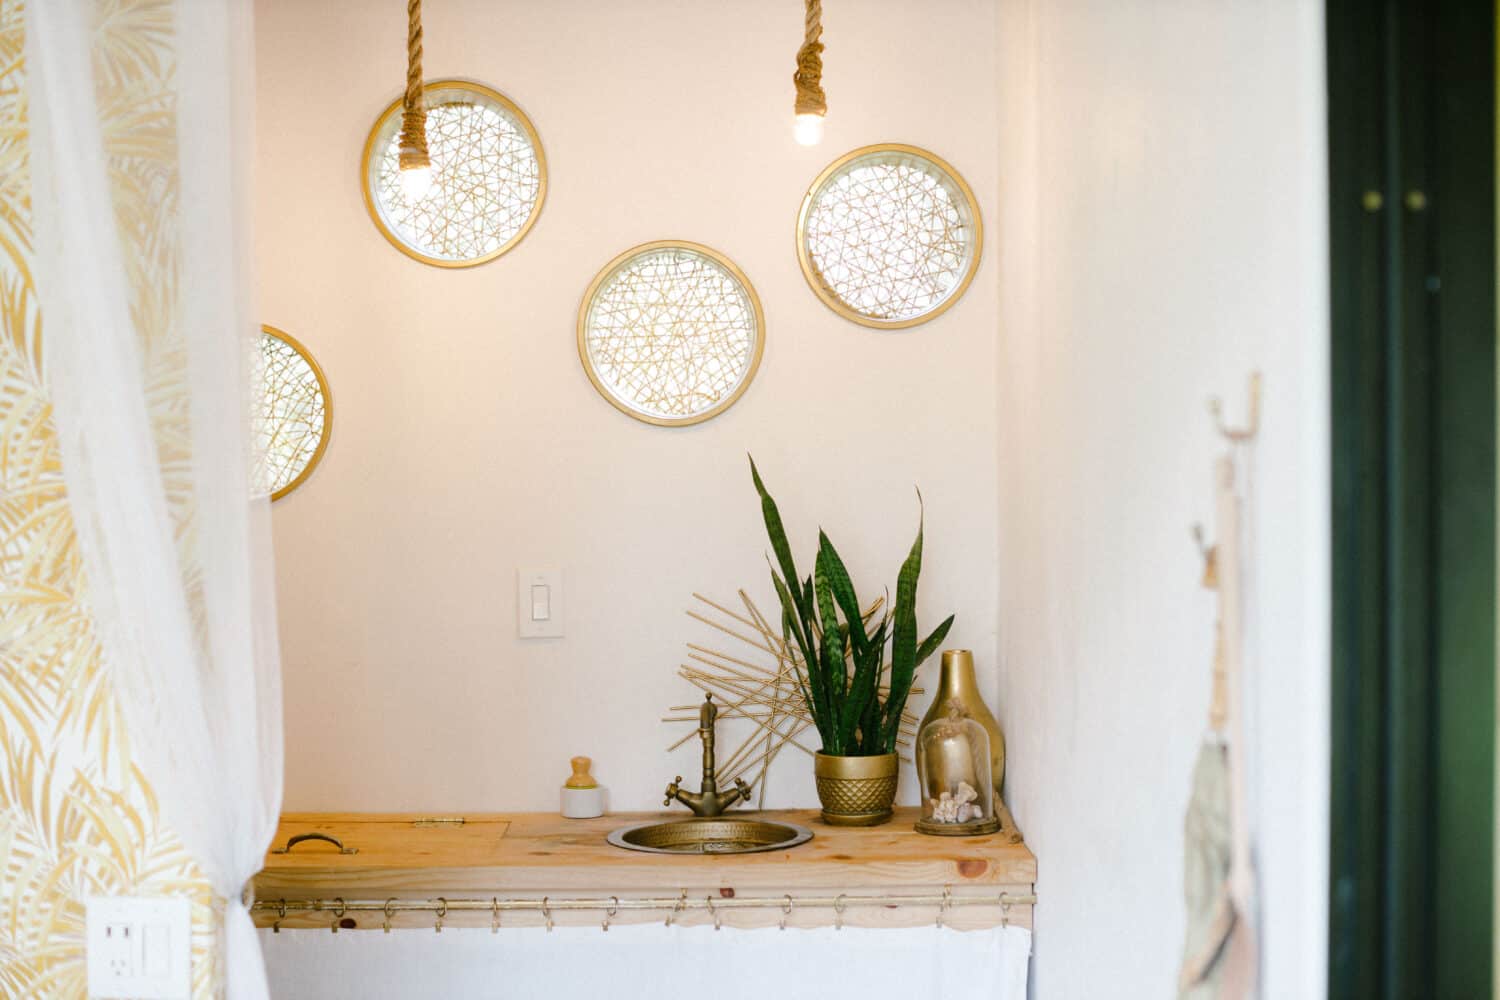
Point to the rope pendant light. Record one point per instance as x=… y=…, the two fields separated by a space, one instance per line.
x=416 y=165
x=811 y=105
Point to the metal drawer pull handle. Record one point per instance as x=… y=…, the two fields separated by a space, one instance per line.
x=299 y=838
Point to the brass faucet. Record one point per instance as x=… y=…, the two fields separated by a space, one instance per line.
x=708 y=802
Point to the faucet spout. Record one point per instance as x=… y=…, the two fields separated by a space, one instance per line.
x=708 y=801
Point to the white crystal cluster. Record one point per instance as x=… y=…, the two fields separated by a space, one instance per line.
x=956 y=807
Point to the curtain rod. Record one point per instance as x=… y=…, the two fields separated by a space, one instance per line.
x=610 y=905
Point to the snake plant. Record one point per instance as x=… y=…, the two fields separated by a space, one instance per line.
x=842 y=656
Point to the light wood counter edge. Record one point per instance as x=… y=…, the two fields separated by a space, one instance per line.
x=532 y=854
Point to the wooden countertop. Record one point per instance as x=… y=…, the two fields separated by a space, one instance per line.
x=407 y=857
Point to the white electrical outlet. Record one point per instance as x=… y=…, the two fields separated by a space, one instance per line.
x=139 y=949
x=539 y=603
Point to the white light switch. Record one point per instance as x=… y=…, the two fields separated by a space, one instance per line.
x=138 y=948
x=539 y=603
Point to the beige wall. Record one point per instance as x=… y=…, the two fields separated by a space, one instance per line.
x=467 y=440
x=1165 y=211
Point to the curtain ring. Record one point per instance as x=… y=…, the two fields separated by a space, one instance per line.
x=718 y=917
x=838 y=912
x=385 y=924
x=280 y=916
x=786 y=911
x=1004 y=910
x=437 y=927
x=494 y=915
x=338 y=915
x=679 y=905
x=614 y=905
x=546 y=912
x=947 y=902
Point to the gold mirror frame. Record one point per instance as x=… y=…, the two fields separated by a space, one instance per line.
x=827 y=294
x=609 y=270
x=323 y=390
x=393 y=113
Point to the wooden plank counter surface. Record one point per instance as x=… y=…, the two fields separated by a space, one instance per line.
x=532 y=855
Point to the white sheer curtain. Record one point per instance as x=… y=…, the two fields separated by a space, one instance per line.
x=141 y=201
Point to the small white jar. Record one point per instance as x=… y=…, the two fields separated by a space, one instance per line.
x=581 y=796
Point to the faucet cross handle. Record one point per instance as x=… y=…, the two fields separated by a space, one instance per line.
x=672 y=790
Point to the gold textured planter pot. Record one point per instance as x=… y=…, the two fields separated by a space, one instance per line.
x=856 y=791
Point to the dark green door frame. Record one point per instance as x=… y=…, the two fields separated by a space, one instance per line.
x=1411 y=89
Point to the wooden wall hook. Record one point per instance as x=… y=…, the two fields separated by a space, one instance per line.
x=1252 y=414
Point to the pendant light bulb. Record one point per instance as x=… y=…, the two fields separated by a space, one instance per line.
x=808 y=130
x=416 y=182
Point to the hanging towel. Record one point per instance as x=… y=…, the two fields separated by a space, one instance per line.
x=1219 y=954
x=1211 y=915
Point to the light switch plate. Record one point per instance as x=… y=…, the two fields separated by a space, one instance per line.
x=139 y=948
x=539 y=603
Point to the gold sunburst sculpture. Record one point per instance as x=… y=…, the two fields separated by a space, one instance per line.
x=757 y=682
x=489 y=177
x=671 y=332
x=889 y=236
x=295 y=416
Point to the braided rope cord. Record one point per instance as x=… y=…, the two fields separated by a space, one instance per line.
x=413 y=113
x=809 y=75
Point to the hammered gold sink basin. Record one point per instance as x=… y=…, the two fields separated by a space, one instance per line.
x=720 y=835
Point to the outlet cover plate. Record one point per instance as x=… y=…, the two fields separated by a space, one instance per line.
x=139 y=948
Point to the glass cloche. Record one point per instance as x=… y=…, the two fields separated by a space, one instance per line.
x=953 y=769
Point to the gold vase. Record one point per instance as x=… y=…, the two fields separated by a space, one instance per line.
x=958 y=688
x=856 y=791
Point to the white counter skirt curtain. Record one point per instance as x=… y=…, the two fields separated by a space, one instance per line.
x=142 y=126
x=649 y=960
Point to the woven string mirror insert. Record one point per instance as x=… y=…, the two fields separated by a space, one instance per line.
x=295 y=416
x=671 y=333
x=889 y=236
x=489 y=177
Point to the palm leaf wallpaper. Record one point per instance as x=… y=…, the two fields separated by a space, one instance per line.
x=77 y=818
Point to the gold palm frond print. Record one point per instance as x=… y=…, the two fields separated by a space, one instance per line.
x=76 y=817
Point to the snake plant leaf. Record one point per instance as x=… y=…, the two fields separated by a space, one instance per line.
x=932 y=642
x=805 y=677
x=777 y=534
x=872 y=734
x=790 y=623
x=863 y=694
x=904 y=633
x=798 y=626
x=813 y=692
x=833 y=654
x=854 y=727
x=874 y=731
x=843 y=592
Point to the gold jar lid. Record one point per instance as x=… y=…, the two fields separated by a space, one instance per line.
x=581 y=778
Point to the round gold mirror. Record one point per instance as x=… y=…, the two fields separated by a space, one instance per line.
x=889 y=236
x=489 y=177
x=295 y=416
x=671 y=333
